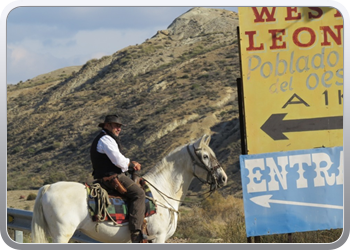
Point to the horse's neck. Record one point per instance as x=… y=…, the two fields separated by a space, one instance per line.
x=172 y=176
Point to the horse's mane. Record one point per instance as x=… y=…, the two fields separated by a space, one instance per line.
x=160 y=165
x=164 y=162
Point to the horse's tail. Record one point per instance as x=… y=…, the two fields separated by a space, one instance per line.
x=39 y=224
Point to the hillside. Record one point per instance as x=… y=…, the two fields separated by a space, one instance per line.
x=171 y=89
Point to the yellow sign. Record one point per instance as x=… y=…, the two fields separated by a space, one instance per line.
x=10 y=218
x=292 y=73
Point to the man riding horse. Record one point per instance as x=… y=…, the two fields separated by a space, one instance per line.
x=108 y=161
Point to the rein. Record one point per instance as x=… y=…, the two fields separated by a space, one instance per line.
x=171 y=198
x=195 y=163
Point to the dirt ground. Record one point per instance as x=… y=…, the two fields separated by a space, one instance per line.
x=18 y=199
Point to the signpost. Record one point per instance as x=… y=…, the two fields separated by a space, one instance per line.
x=291 y=109
x=292 y=74
x=293 y=191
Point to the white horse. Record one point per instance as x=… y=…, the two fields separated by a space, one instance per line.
x=61 y=208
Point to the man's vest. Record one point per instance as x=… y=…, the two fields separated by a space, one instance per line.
x=101 y=164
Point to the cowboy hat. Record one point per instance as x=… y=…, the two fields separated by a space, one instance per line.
x=111 y=119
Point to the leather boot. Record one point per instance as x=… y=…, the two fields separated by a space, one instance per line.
x=138 y=237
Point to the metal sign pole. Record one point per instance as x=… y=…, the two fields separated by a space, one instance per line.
x=242 y=117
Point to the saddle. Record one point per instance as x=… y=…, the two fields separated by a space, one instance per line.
x=107 y=204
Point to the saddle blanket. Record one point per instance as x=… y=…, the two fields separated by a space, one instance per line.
x=118 y=209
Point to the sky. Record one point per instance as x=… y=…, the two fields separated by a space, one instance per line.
x=43 y=39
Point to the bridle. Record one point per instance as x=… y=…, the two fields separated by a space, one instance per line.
x=211 y=178
x=198 y=162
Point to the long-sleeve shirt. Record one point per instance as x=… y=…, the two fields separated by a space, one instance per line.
x=107 y=145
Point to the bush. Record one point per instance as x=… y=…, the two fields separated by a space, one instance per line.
x=184 y=77
x=17 y=149
x=31 y=150
x=57 y=145
x=31 y=197
x=55 y=177
x=217 y=219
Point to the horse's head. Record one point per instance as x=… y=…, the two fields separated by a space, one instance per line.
x=205 y=165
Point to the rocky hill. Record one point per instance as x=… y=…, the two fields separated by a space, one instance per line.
x=171 y=89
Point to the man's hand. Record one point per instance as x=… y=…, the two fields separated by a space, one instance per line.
x=137 y=166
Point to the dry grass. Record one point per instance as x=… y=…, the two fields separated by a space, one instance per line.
x=18 y=199
x=216 y=219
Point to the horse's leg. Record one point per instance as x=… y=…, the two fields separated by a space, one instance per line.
x=158 y=224
x=160 y=238
x=62 y=233
x=61 y=238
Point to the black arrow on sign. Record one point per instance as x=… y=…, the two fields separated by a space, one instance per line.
x=275 y=126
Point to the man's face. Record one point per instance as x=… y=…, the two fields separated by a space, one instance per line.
x=114 y=128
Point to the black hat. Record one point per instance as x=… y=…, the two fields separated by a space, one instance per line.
x=111 y=119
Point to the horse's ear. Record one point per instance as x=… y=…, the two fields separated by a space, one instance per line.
x=205 y=139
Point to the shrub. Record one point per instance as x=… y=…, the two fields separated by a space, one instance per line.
x=55 y=177
x=195 y=86
x=31 y=150
x=17 y=149
x=31 y=197
x=57 y=145
x=218 y=219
